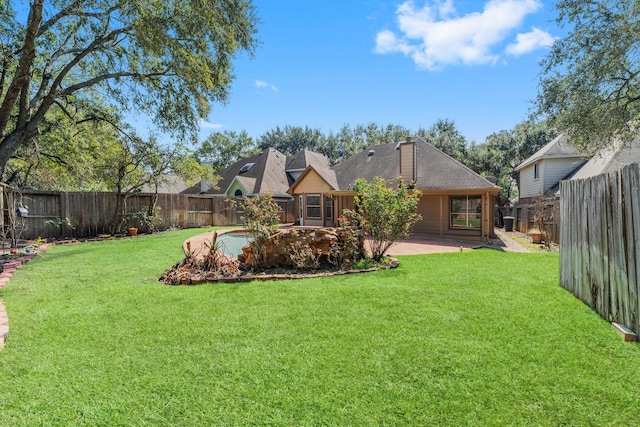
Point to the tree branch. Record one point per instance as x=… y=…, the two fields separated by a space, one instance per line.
x=21 y=76
x=110 y=76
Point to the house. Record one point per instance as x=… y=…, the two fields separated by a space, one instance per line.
x=269 y=170
x=455 y=202
x=610 y=159
x=168 y=184
x=546 y=168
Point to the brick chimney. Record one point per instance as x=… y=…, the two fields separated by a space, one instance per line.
x=408 y=161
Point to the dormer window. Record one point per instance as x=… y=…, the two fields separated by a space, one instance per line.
x=246 y=167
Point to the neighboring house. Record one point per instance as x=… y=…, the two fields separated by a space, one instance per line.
x=269 y=170
x=546 y=168
x=250 y=176
x=169 y=184
x=610 y=159
x=455 y=202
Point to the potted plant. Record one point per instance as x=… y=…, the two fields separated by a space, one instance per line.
x=144 y=219
x=536 y=235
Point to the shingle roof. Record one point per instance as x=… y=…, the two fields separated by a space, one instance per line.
x=435 y=169
x=557 y=148
x=266 y=174
x=303 y=158
x=171 y=184
x=610 y=159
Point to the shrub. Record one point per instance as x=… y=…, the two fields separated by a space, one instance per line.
x=386 y=211
x=261 y=215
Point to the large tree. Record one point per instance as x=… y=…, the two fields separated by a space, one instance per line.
x=291 y=139
x=221 y=149
x=444 y=135
x=503 y=151
x=590 y=85
x=166 y=58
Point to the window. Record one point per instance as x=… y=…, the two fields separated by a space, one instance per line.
x=328 y=208
x=466 y=212
x=536 y=171
x=238 y=193
x=246 y=167
x=313 y=206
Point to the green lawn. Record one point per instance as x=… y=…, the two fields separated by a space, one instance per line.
x=468 y=338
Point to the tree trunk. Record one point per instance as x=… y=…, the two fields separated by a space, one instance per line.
x=9 y=145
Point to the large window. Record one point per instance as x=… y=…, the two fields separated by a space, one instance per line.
x=466 y=212
x=313 y=206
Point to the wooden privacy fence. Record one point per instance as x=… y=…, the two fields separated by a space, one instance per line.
x=600 y=243
x=523 y=219
x=92 y=213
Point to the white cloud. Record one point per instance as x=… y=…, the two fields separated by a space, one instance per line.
x=261 y=84
x=435 y=36
x=206 y=125
x=528 y=42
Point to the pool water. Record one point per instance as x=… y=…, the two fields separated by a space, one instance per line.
x=232 y=243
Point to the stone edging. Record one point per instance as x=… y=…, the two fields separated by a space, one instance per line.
x=7 y=273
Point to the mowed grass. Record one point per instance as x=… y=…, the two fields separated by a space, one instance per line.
x=469 y=338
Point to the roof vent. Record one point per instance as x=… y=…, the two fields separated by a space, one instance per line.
x=371 y=153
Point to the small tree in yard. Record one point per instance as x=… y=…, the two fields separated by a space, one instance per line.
x=262 y=215
x=386 y=210
x=543 y=208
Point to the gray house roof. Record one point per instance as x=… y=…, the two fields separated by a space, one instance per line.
x=435 y=170
x=304 y=158
x=557 y=148
x=610 y=159
x=264 y=171
x=171 y=184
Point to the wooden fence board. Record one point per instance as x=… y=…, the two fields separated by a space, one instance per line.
x=632 y=240
x=599 y=239
x=92 y=213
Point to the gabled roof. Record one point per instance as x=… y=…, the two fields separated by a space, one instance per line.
x=557 y=148
x=264 y=171
x=435 y=170
x=267 y=173
x=304 y=158
x=327 y=174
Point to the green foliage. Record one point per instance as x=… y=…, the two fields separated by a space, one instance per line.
x=221 y=149
x=590 y=81
x=444 y=135
x=350 y=140
x=505 y=150
x=58 y=223
x=170 y=59
x=291 y=139
x=386 y=211
x=261 y=217
x=144 y=217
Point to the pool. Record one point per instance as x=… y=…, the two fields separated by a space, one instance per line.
x=231 y=243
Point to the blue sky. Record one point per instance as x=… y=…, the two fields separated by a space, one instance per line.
x=327 y=63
